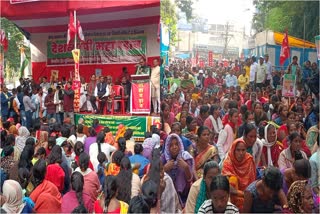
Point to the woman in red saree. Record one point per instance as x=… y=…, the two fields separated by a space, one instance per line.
x=46 y=195
x=240 y=168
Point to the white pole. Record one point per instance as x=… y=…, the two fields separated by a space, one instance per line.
x=75 y=25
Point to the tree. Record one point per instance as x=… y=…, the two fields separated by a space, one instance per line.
x=169 y=18
x=291 y=15
x=12 y=56
x=186 y=7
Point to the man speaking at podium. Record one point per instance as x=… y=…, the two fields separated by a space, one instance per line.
x=142 y=67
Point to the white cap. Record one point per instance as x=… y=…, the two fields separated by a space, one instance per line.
x=200 y=71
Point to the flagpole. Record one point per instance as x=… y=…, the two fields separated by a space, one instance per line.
x=75 y=24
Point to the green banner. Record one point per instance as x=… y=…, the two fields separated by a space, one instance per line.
x=137 y=124
x=98 y=49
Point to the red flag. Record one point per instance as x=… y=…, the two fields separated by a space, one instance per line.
x=210 y=59
x=71 y=28
x=3 y=40
x=285 y=49
x=79 y=31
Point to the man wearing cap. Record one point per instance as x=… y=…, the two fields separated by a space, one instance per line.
x=261 y=74
x=200 y=80
x=269 y=70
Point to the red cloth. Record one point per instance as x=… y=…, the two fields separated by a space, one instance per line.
x=70 y=201
x=56 y=175
x=98 y=209
x=276 y=149
x=285 y=49
x=209 y=81
x=225 y=121
x=47 y=198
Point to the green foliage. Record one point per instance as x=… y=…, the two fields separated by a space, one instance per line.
x=185 y=6
x=282 y=15
x=15 y=38
x=169 y=18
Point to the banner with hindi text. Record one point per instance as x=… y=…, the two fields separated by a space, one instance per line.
x=140 y=94
x=98 y=49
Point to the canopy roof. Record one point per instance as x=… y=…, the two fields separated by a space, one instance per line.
x=38 y=16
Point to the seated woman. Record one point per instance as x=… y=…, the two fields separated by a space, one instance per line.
x=219 y=198
x=14 y=200
x=254 y=145
x=46 y=195
x=287 y=156
x=240 y=168
x=301 y=170
x=204 y=151
x=107 y=201
x=179 y=164
x=283 y=130
x=271 y=147
x=261 y=195
x=76 y=196
x=300 y=198
x=293 y=127
x=55 y=173
x=200 y=190
x=129 y=184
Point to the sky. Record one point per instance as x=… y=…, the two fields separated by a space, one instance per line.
x=238 y=12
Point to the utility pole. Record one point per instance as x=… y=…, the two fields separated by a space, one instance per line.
x=227 y=37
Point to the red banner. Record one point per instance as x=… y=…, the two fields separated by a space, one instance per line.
x=201 y=64
x=76 y=81
x=210 y=58
x=140 y=95
x=285 y=49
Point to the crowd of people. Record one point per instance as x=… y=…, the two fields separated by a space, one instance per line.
x=229 y=142
x=234 y=144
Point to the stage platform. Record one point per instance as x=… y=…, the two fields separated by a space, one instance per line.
x=138 y=123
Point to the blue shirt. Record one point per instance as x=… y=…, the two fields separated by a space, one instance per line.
x=139 y=159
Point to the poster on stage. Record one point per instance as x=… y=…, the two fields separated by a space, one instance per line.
x=289 y=85
x=54 y=75
x=140 y=96
x=98 y=50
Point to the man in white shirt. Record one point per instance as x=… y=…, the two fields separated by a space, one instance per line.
x=261 y=74
x=253 y=70
x=155 y=86
x=231 y=79
x=269 y=70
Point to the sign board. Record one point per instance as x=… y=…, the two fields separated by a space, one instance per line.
x=289 y=85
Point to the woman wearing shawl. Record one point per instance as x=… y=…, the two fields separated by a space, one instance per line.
x=204 y=151
x=271 y=147
x=179 y=165
x=240 y=168
x=199 y=191
x=46 y=195
x=312 y=136
x=187 y=82
x=293 y=152
x=300 y=198
x=21 y=139
x=42 y=137
x=228 y=133
x=15 y=202
x=213 y=122
x=283 y=130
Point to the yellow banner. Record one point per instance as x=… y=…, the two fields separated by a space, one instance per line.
x=76 y=55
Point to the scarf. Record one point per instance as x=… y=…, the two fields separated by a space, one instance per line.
x=88 y=170
x=217 y=124
x=182 y=154
x=268 y=145
x=202 y=196
x=13 y=194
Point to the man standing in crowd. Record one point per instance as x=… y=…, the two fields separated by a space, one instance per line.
x=155 y=86
x=200 y=80
x=269 y=70
x=101 y=93
x=92 y=106
x=5 y=103
x=49 y=103
x=231 y=79
x=261 y=73
x=253 y=70
x=68 y=98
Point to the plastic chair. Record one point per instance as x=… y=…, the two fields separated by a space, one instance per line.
x=118 y=98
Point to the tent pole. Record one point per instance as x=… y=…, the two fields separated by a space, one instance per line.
x=75 y=25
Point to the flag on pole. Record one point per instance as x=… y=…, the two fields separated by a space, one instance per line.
x=197 y=58
x=3 y=40
x=285 y=49
x=79 y=31
x=24 y=62
x=71 y=28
